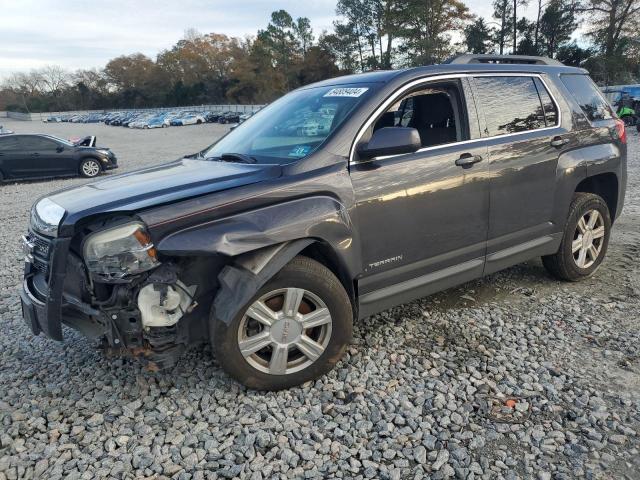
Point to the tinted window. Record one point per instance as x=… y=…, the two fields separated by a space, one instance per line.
x=550 y=109
x=8 y=143
x=37 y=143
x=585 y=92
x=511 y=104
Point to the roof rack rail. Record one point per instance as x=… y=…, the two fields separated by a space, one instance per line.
x=504 y=59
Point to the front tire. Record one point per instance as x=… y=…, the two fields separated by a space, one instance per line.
x=295 y=329
x=585 y=241
x=90 y=167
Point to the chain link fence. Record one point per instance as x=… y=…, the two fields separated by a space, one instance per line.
x=197 y=108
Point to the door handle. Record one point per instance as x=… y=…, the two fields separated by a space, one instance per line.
x=559 y=142
x=35 y=154
x=467 y=160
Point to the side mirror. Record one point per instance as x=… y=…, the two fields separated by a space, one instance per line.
x=391 y=141
x=60 y=148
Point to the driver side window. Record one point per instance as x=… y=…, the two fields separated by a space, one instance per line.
x=435 y=112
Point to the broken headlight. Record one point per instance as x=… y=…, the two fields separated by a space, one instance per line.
x=120 y=251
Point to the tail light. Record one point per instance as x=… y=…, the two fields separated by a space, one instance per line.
x=621 y=130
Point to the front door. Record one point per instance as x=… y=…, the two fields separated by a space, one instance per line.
x=423 y=216
x=46 y=157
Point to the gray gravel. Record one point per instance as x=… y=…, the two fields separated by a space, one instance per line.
x=420 y=394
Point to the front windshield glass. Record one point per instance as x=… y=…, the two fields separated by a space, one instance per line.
x=291 y=128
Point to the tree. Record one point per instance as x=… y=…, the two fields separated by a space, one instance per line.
x=611 y=22
x=341 y=46
x=526 y=34
x=426 y=28
x=573 y=54
x=280 y=43
x=556 y=25
x=303 y=33
x=503 y=12
x=137 y=79
x=477 y=36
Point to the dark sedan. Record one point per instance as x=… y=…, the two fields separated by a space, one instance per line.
x=42 y=156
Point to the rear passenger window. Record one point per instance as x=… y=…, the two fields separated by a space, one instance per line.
x=585 y=92
x=550 y=109
x=511 y=104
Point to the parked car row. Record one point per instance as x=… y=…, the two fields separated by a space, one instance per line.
x=148 y=120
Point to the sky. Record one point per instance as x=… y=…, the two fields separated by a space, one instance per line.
x=86 y=34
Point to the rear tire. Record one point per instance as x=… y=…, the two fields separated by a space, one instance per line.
x=304 y=327
x=90 y=168
x=585 y=240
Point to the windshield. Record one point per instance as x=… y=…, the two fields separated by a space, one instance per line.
x=293 y=127
x=61 y=140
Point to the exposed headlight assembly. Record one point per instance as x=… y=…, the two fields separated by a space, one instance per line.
x=121 y=251
x=46 y=216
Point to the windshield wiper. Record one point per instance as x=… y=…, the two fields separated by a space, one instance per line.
x=234 y=157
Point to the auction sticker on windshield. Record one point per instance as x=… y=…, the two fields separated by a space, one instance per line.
x=346 y=92
x=300 y=151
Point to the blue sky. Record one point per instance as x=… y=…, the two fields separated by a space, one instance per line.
x=85 y=34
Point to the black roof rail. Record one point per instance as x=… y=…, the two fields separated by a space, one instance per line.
x=468 y=58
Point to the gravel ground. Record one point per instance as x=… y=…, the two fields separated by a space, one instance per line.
x=420 y=394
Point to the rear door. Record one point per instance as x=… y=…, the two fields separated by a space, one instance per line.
x=521 y=121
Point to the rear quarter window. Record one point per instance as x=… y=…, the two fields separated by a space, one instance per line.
x=588 y=97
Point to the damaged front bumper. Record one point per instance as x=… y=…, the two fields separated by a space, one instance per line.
x=55 y=291
x=52 y=289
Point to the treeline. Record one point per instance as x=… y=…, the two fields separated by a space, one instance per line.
x=369 y=35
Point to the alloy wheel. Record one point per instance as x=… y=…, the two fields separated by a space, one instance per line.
x=284 y=331
x=90 y=168
x=588 y=239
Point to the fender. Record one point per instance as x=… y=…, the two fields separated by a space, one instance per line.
x=570 y=171
x=318 y=217
x=261 y=242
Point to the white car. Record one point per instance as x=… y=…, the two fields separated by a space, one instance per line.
x=189 y=119
x=141 y=122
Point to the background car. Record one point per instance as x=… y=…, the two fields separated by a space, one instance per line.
x=141 y=121
x=159 y=121
x=212 y=117
x=229 y=117
x=245 y=116
x=43 y=156
x=189 y=118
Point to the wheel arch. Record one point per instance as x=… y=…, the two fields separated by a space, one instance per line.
x=247 y=273
x=605 y=185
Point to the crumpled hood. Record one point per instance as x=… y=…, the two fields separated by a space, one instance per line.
x=157 y=185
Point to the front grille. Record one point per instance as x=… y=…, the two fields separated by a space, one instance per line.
x=41 y=252
x=41 y=246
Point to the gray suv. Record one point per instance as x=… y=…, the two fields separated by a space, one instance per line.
x=339 y=200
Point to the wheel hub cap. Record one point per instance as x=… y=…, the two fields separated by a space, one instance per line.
x=588 y=239
x=284 y=331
